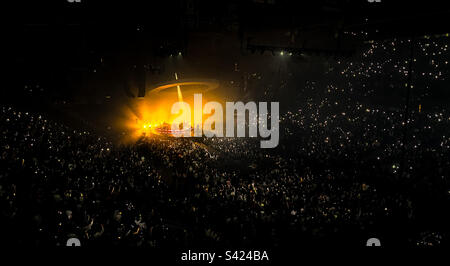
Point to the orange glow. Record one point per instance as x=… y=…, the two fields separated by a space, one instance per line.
x=145 y=116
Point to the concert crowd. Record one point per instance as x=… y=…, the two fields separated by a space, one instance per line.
x=346 y=169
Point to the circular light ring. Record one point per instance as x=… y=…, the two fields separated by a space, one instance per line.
x=210 y=84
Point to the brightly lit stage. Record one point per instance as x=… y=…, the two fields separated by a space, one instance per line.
x=153 y=112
